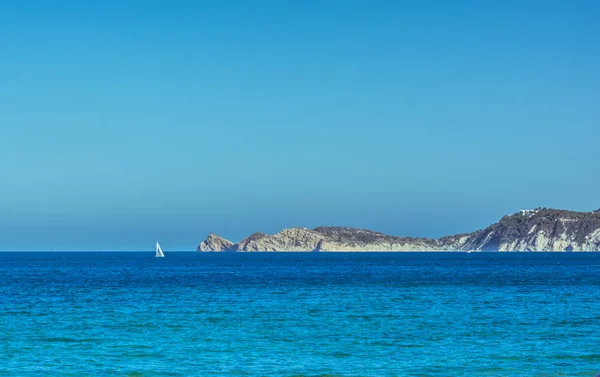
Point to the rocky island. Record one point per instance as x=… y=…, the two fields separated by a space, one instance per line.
x=541 y=229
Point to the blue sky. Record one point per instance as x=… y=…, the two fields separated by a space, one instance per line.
x=127 y=122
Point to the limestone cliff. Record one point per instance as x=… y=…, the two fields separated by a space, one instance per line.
x=541 y=229
x=293 y=239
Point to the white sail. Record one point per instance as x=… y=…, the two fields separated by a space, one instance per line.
x=159 y=252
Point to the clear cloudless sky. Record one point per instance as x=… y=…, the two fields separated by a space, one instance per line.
x=126 y=122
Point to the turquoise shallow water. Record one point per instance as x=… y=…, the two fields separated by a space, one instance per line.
x=299 y=314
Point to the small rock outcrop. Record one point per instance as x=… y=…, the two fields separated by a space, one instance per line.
x=215 y=243
x=541 y=229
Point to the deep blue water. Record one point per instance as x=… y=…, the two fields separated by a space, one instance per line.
x=299 y=314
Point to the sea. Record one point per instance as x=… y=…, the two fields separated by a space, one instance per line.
x=299 y=314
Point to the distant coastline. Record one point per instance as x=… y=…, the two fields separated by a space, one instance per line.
x=540 y=229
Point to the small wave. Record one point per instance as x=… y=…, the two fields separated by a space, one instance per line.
x=60 y=340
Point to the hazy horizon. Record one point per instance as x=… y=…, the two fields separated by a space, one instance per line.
x=124 y=123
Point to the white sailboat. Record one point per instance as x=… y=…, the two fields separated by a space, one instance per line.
x=159 y=252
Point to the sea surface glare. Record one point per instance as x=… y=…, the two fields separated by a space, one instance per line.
x=299 y=314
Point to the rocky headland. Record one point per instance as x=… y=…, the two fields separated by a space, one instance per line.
x=541 y=229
